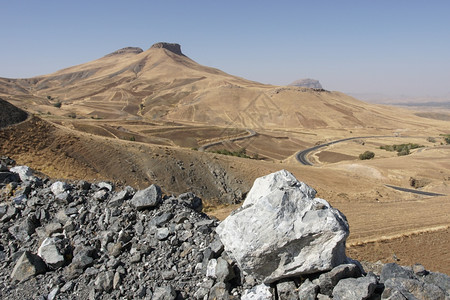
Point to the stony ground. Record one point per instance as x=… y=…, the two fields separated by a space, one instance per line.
x=81 y=240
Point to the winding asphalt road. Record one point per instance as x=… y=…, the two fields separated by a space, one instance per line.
x=301 y=157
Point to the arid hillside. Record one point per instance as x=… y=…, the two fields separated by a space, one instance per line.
x=139 y=117
x=162 y=84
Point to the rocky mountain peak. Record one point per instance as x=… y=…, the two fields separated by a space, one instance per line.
x=308 y=83
x=173 y=47
x=126 y=50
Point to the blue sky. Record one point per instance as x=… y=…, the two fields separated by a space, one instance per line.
x=387 y=47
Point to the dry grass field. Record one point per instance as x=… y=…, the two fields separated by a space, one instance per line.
x=136 y=118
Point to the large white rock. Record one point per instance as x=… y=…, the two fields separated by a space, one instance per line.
x=24 y=172
x=283 y=231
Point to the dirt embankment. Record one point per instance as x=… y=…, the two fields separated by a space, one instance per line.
x=10 y=114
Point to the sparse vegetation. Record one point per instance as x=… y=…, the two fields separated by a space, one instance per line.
x=57 y=104
x=240 y=153
x=366 y=155
x=72 y=115
x=132 y=138
x=402 y=149
x=431 y=139
x=446 y=138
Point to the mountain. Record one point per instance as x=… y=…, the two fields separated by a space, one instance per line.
x=163 y=84
x=307 y=82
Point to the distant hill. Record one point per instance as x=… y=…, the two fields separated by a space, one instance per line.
x=308 y=83
x=163 y=84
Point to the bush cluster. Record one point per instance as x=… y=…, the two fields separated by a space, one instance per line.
x=402 y=149
x=366 y=155
x=240 y=153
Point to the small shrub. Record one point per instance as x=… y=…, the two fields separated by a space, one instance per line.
x=57 y=104
x=404 y=152
x=447 y=139
x=366 y=155
x=72 y=115
x=132 y=138
x=431 y=139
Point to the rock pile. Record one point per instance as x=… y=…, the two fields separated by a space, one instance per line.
x=80 y=240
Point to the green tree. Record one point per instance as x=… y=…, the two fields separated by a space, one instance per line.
x=366 y=155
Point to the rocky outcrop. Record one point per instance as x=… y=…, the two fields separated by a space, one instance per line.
x=83 y=240
x=172 y=47
x=308 y=83
x=283 y=231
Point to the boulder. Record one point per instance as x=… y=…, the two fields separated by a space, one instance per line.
x=52 y=252
x=411 y=289
x=28 y=265
x=259 y=292
x=59 y=187
x=308 y=290
x=148 y=198
x=24 y=172
x=355 y=288
x=283 y=231
x=287 y=290
x=327 y=281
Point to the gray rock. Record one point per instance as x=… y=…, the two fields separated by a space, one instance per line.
x=101 y=195
x=259 y=292
x=439 y=279
x=191 y=201
x=392 y=270
x=287 y=290
x=419 y=270
x=355 y=288
x=59 y=187
x=24 y=229
x=203 y=290
x=411 y=289
x=162 y=233
x=105 y=185
x=219 y=291
x=164 y=293
x=53 y=293
x=27 y=266
x=328 y=281
x=148 y=198
x=220 y=270
x=7 y=212
x=119 y=198
x=50 y=251
x=24 y=172
x=308 y=290
x=283 y=231
x=104 y=281
x=83 y=259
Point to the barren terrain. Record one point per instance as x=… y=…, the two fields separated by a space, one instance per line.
x=137 y=118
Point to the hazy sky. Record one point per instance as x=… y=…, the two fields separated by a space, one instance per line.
x=389 y=47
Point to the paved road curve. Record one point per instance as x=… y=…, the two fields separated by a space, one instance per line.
x=301 y=156
x=413 y=191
